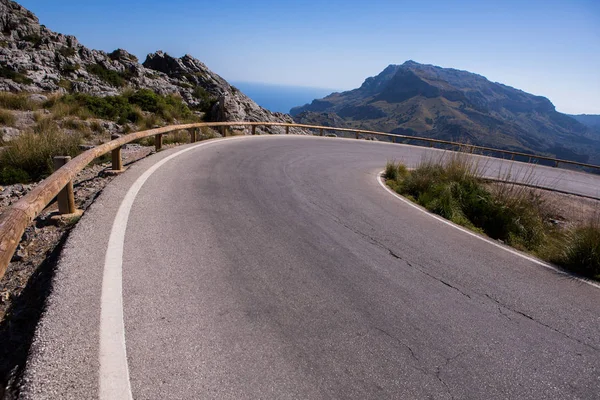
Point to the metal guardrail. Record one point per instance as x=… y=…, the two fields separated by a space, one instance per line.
x=20 y=215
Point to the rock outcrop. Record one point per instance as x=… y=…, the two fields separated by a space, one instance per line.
x=36 y=60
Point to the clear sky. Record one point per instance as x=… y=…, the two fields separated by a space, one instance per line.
x=545 y=47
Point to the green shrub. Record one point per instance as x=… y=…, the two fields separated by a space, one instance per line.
x=128 y=107
x=581 y=251
x=34 y=39
x=167 y=107
x=395 y=171
x=17 y=77
x=206 y=100
x=509 y=212
x=70 y=68
x=115 y=108
x=455 y=190
x=147 y=100
x=10 y=175
x=29 y=156
x=113 y=78
x=66 y=51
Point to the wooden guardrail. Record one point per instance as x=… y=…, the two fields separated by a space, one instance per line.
x=20 y=215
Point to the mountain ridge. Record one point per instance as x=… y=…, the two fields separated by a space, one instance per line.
x=445 y=103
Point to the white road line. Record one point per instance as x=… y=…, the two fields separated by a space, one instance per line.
x=114 y=371
x=470 y=233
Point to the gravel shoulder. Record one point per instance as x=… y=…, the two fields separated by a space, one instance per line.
x=27 y=282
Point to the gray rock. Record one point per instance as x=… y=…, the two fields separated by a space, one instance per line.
x=43 y=61
x=20 y=254
x=8 y=133
x=37 y=97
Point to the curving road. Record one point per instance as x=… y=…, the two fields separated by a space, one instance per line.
x=279 y=267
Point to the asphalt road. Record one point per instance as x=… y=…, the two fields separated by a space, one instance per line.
x=278 y=267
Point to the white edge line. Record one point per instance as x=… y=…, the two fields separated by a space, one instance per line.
x=114 y=383
x=473 y=234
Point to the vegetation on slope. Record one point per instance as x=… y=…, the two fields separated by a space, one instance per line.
x=29 y=157
x=514 y=214
x=61 y=125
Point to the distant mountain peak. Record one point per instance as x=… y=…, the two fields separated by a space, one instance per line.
x=452 y=104
x=408 y=63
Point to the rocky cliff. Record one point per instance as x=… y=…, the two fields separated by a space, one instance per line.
x=34 y=59
x=443 y=103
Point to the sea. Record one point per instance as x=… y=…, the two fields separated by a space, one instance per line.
x=280 y=98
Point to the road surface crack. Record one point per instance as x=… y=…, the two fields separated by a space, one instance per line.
x=421 y=270
x=412 y=353
x=439 y=369
x=418 y=367
x=398 y=257
x=505 y=306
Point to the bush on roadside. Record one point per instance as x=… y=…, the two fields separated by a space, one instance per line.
x=454 y=189
x=513 y=213
x=29 y=156
x=581 y=251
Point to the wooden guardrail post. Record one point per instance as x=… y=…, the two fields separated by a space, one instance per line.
x=66 y=199
x=321 y=132
x=222 y=115
x=254 y=129
x=193 y=135
x=117 y=161
x=287 y=130
x=158 y=141
x=357 y=135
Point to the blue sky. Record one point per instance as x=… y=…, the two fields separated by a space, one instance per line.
x=549 y=48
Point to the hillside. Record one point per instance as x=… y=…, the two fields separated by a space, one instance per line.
x=590 y=120
x=426 y=100
x=33 y=59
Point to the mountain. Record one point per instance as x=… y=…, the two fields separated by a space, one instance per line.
x=36 y=60
x=425 y=100
x=590 y=120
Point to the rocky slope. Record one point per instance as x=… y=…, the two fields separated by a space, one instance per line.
x=425 y=100
x=35 y=59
